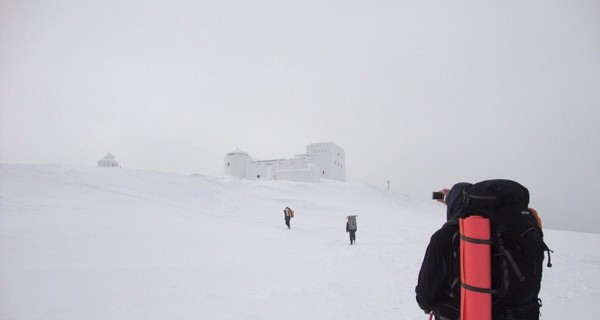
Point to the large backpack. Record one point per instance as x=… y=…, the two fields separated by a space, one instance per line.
x=352 y=224
x=517 y=246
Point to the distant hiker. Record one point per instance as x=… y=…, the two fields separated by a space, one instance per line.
x=287 y=215
x=351 y=228
x=435 y=290
x=516 y=252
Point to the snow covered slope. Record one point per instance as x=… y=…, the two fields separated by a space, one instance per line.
x=100 y=243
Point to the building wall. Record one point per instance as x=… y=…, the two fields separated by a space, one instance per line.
x=330 y=158
x=322 y=160
x=309 y=174
x=269 y=169
x=259 y=170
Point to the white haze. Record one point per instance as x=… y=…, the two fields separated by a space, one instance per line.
x=421 y=94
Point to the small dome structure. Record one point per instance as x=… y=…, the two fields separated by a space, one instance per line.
x=108 y=161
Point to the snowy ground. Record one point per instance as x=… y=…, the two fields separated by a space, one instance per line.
x=96 y=243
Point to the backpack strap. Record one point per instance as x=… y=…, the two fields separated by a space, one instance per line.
x=473 y=240
x=455 y=283
x=511 y=260
x=478 y=289
x=456 y=280
x=549 y=265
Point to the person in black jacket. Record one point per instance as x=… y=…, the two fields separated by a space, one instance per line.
x=438 y=288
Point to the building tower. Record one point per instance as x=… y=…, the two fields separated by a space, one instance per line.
x=236 y=163
x=330 y=158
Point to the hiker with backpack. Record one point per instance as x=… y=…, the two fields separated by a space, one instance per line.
x=351 y=228
x=515 y=255
x=287 y=215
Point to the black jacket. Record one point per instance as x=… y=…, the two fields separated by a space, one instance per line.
x=438 y=289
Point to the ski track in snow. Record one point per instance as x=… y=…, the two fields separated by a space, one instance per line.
x=98 y=243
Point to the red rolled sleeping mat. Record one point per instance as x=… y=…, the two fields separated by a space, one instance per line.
x=475 y=269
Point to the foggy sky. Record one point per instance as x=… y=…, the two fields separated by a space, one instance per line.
x=422 y=94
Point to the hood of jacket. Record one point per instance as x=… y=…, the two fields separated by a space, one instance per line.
x=454 y=199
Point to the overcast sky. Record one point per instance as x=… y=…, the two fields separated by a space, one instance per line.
x=422 y=94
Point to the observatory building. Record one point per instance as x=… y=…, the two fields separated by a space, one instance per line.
x=321 y=160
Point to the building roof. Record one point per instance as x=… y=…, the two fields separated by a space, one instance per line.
x=237 y=152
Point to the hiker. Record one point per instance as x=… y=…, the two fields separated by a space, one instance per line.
x=351 y=228
x=436 y=291
x=517 y=253
x=287 y=215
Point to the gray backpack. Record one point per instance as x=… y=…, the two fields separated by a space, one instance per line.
x=352 y=223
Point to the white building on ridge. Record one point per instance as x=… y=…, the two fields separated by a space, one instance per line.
x=108 y=161
x=321 y=160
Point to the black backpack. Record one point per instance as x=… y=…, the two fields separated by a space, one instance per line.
x=517 y=245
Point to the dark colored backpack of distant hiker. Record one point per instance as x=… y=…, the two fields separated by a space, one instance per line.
x=352 y=224
x=517 y=247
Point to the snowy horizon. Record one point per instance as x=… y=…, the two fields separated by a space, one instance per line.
x=82 y=242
